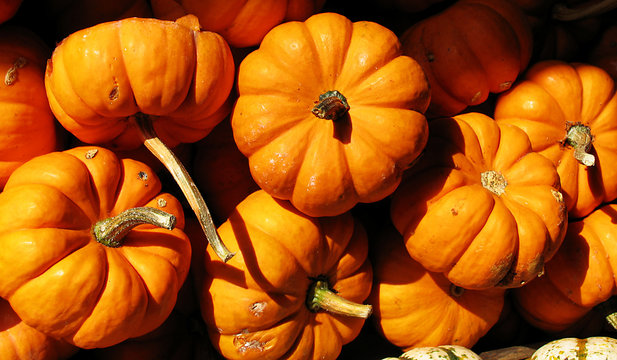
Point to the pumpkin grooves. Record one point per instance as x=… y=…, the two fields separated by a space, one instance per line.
x=592 y=8
x=320 y=297
x=579 y=137
x=186 y=184
x=111 y=231
x=332 y=105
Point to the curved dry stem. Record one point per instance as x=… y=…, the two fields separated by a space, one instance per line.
x=562 y=12
x=320 y=297
x=111 y=231
x=186 y=184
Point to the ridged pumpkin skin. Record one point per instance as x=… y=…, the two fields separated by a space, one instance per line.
x=552 y=98
x=480 y=206
x=27 y=125
x=592 y=348
x=471 y=49
x=19 y=341
x=242 y=23
x=63 y=282
x=255 y=305
x=325 y=167
x=443 y=352
x=174 y=73
x=406 y=299
x=580 y=276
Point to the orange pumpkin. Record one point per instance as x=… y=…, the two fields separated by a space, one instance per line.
x=293 y=290
x=406 y=299
x=27 y=125
x=579 y=277
x=568 y=112
x=330 y=113
x=242 y=23
x=19 y=341
x=480 y=206
x=471 y=49
x=159 y=83
x=81 y=259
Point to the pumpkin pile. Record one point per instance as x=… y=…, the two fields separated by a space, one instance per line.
x=306 y=179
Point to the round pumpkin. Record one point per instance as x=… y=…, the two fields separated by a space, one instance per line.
x=580 y=276
x=591 y=348
x=330 y=113
x=27 y=125
x=294 y=288
x=567 y=110
x=8 y=9
x=469 y=50
x=19 y=341
x=413 y=307
x=242 y=23
x=480 y=206
x=82 y=260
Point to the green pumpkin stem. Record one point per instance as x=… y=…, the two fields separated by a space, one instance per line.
x=579 y=137
x=562 y=12
x=111 y=231
x=320 y=297
x=186 y=184
x=332 y=105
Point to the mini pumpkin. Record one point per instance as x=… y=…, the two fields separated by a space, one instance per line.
x=19 y=341
x=295 y=288
x=580 y=276
x=469 y=50
x=567 y=110
x=159 y=83
x=591 y=348
x=93 y=253
x=242 y=23
x=330 y=113
x=406 y=298
x=27 y=125
x=442 y=352
x=480 y=206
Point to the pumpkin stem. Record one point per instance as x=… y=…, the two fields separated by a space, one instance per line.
x=562 y=12
x=494 y=182
x=579 y=137
x=332 y=105
x=111 y=231
x=186 y=184
x=11 y=74
x=320 y=297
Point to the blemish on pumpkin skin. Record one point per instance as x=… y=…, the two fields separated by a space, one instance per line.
x=257 y=308
x=90 y=154
x=143 y=176
x=454 y=212
x=114 y=93
x=161 y=202
x=243 y=344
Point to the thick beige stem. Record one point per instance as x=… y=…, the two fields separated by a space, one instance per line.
x=186 y=184
x=111 y=231
x=320 y=297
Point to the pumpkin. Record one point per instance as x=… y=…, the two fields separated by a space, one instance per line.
x=19 y=341
x=27 y=125
x=579 y=277
x=159 y=83
x=242 y=23
x=330 y=113
x=471 y=49
x=480 y=206
x=567 y=110
x=294 y=288
x=591 y=348
x=90 y=252
x=443 y=352
x=406 y=299
x=222 y=172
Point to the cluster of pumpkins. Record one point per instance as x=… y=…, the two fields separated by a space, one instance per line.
x=186 y=179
